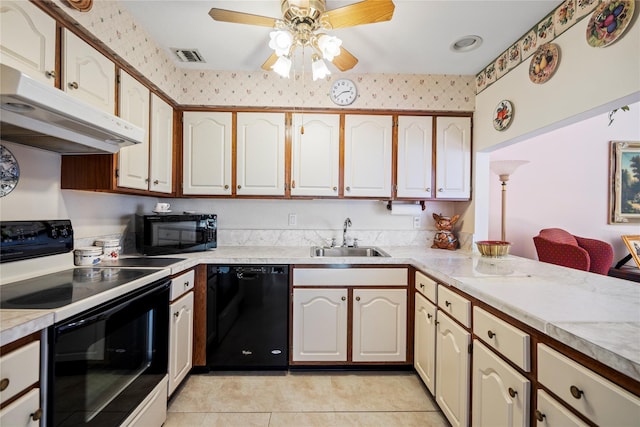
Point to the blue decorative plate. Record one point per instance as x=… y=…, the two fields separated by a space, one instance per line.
x=9 y=171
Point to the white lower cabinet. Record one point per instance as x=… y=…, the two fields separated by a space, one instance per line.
x=23 y=412
x=424 y=346
x=180 y=340
x=452 y=369
x=501 y=395
x=551 y=413
x=319 y=325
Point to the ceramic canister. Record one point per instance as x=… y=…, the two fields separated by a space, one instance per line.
x=110 y=248
x=89 y=255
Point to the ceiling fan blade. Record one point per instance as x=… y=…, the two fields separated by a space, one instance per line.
x=269 y=62
x=345 y=61
x=241 y=18
x=365 y=12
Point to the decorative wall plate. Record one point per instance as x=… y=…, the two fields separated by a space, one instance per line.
x=9 y=171
x=81 y=5
x=503 y=115
x=609 y=21
x=543 y=63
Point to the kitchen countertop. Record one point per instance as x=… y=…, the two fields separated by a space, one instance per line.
x=594 y=314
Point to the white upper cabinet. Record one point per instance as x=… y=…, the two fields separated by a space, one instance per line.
x=367 y=156
x=28 y=40
x=260 y=154
x=133 y=163
x=315 y=155
x=206 y=153
x=453 y=158
x=161 y=146
x=87 y=74
x=415 y=155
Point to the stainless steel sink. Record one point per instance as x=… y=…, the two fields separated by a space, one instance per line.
x=340 y=251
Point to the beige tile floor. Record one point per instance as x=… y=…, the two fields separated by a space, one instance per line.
x=304 y=399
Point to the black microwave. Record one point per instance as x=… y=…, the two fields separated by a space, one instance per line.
x=169 y=233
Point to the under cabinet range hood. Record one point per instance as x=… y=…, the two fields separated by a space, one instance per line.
x=42 y=116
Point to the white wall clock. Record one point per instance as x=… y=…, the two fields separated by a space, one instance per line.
x=9 y=171
x=343 y=92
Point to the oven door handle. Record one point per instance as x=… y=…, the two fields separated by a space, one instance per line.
x=104 y=314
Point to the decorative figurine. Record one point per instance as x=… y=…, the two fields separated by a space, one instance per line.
x=444 y=238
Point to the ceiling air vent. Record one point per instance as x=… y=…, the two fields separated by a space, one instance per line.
x=188 y=55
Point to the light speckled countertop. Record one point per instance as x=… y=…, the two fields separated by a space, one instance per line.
x=596 y=315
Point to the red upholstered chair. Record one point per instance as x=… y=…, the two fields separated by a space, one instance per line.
x=557 y=246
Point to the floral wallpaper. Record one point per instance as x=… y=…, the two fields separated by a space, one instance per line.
x=112 y=24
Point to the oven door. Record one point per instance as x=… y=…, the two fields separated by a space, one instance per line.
x=105 y=361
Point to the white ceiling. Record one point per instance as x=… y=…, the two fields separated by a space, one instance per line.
x=416 y=41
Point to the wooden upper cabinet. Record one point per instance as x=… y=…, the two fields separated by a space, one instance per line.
x=161 y=146
x=415 y=156
x=367 y=156
x=206 y=153
x=28 y=40
x=87 y=74
x=133 y=161
x=315 y=155
x=260 y=154
x=453 y=158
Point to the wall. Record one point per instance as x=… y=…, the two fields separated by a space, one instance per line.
x=565 y=185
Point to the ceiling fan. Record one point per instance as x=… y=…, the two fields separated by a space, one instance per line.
x=302 y=24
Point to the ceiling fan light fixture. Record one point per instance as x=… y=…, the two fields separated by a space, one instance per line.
x=466 y=43
x=319 y=68
x=282 y=67
x=280 y=42
x=329 y=46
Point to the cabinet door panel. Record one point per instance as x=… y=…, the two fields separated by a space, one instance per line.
x=260 y=154
x=180 y=340
x=207 y=153
x=415 y=155
x=453 y=157
x=89 y=70
x=425 y=341
x=319 y=325
x=28 y=40
x=134 y=160
x=161 y=146
x=379 y=325
x=315 y=155
x=367 y=156
x=452 y=370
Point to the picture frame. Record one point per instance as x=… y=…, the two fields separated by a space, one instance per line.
x=624 y=182
x=633 y=244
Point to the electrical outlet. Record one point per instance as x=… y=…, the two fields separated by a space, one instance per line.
x=293 y=219
x=416 y=222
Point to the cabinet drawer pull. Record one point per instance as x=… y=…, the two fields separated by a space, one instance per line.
x=447 y=303
x=576 y=392
x=540 y=416
x=50 y=74
x=357 y=298
x=35 y=416
x=343 y=298
x=422 y=285
x=186 y=284
x=512 y=392
x=429 y=316
x=4 y=384
x=491 y=334
x=73 y=85
x=176 y=314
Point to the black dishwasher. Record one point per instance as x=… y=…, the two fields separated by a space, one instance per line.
x=247 y=317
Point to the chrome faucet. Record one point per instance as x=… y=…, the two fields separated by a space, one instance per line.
x=347 y=223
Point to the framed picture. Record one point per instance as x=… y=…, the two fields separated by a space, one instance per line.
x=633 y=243
x=624 y=182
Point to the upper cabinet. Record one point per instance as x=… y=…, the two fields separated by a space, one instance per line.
x=415 y=157
x=315 y=155
x=206 y=153
x=28 y=40
x=87 y=74
x=161 y=146
x=453 y=158
x=260 y=154
x=367 y=156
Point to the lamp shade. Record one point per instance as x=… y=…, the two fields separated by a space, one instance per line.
x=282 y=67
x=506 y=167
x=319 y=68
x=280 y=42
x=329 y=46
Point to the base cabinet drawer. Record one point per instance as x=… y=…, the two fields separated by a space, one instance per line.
x=19 y=370
x=595 y=397
x=507 y=340
x=24 y=412
x=454 y=305
x=551 y=413
x=426 y=286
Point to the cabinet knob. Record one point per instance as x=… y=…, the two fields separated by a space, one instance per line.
x=4 y=383
x=293 y=184
x=357 y=298
x=176 y=314
x=422 y=285
x=343 y=298
x=428 y=190
x=239 y=187
x=348 y=188
x=73 y=85
x=35 y=416
x=429 y=316
x=512 y=392
x=146 y=180
x=50 y=74
x=540 y=416
x=226 y=187
x=491 y=334
x=335 y=188
x=447 y=303
x=440 y=190
x=576 y=392
x=156 y=182
x=186 y=284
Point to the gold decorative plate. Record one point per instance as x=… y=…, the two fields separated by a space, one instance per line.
x=81 y=5
x=608 y=22
x=543 y=63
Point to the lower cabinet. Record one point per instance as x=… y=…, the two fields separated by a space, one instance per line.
x=452 y=369
x=181 y=312
x=501 y=395
x=424 y=346
x=23 y=411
